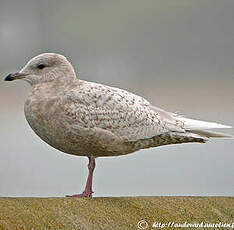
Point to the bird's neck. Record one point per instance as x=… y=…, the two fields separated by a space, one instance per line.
x=55 y=87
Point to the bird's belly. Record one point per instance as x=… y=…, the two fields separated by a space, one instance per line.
x=58 y=134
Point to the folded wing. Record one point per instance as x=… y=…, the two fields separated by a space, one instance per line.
x=126 y=115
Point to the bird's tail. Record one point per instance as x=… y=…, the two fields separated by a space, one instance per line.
x=193 y=128
x=199 y=128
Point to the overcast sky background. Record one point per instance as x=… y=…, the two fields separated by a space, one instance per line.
x=177 y=54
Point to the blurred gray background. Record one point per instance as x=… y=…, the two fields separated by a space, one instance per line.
x=177 y=54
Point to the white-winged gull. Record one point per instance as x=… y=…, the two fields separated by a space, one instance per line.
x=94 y=120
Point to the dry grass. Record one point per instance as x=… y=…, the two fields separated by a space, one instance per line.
x=111 y=213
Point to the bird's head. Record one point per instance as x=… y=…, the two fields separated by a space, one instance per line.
x=45 y=67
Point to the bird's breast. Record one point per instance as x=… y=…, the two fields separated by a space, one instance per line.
x=41 y=116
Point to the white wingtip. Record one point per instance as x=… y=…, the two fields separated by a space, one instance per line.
x=191 y=124
x=211 y=134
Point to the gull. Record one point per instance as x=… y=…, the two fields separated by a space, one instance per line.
x=89 y=119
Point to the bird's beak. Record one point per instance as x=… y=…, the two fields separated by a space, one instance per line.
x=15 y=76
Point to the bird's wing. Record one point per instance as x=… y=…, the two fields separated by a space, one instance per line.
x=126 y=115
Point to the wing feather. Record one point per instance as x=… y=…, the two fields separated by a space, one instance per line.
x=126 y=115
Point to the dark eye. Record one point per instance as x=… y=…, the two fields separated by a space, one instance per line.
x=41 y=66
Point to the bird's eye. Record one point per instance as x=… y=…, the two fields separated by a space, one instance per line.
x=41 y=66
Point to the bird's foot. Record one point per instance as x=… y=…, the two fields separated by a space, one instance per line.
x=84 y=194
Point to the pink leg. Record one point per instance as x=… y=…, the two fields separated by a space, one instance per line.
x=88 y=188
